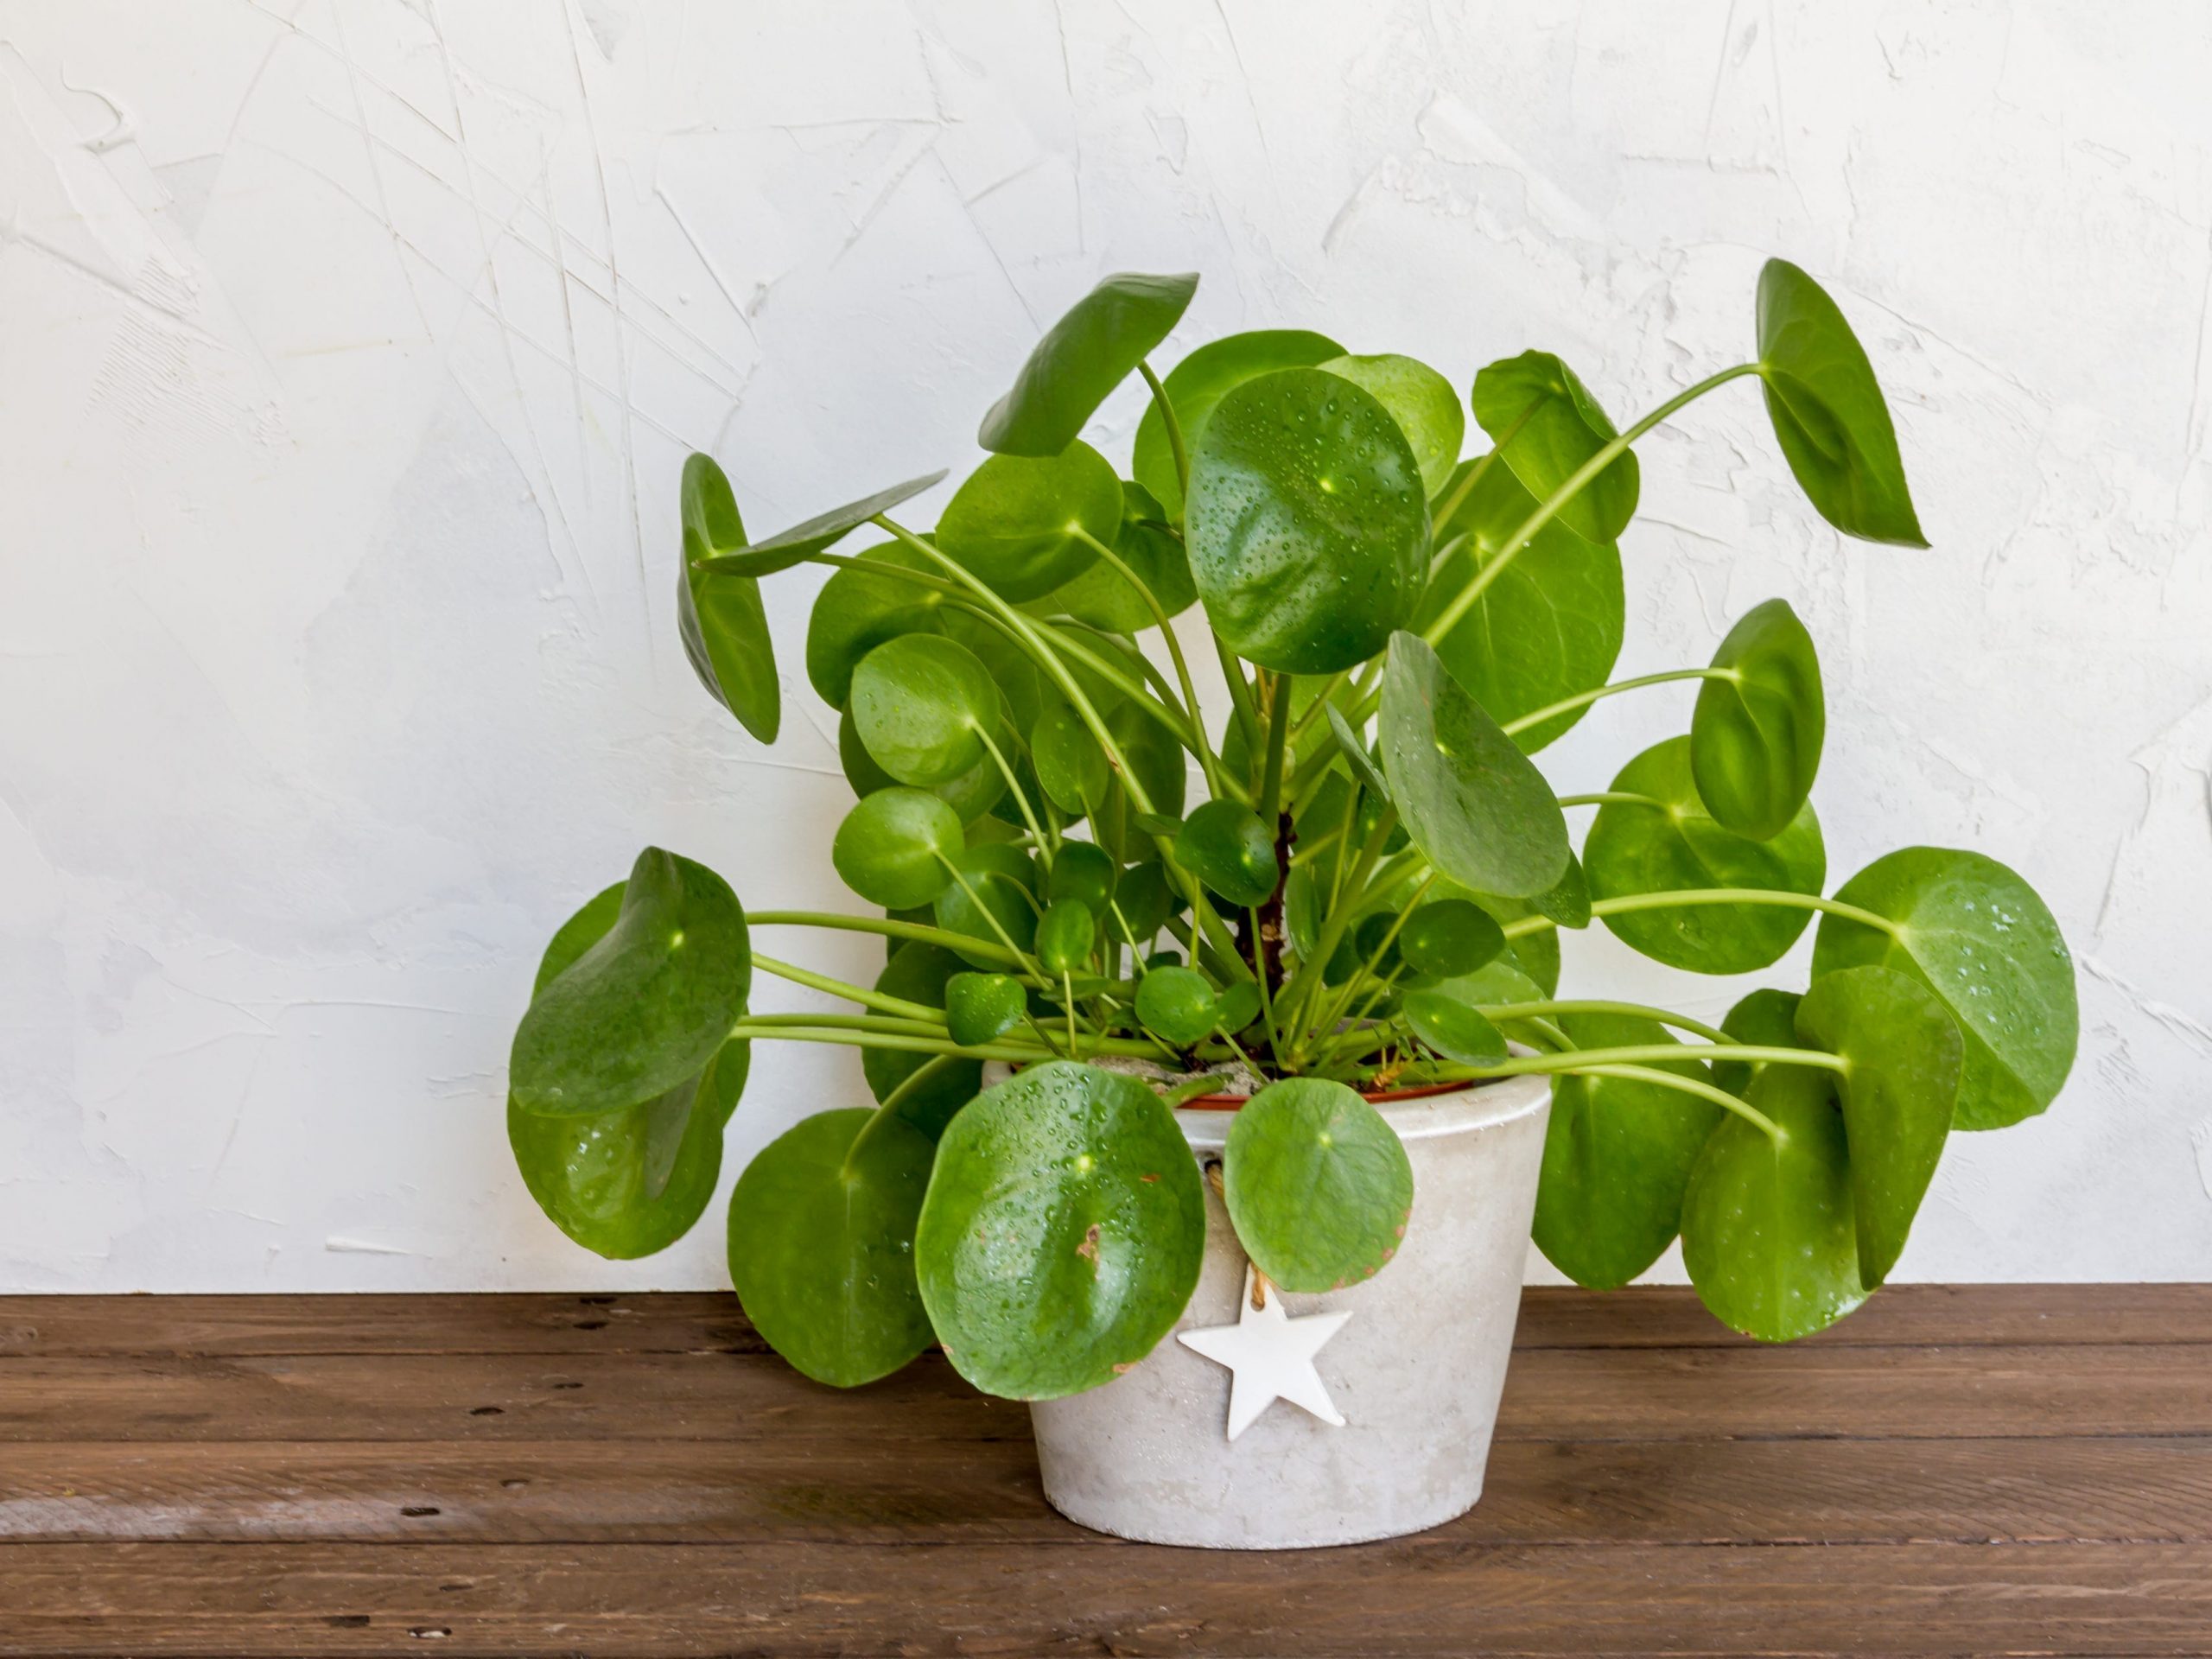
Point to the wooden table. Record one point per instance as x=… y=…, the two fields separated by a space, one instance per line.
x=2021 y=1470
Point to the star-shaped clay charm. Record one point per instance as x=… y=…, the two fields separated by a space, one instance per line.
x=1270 y=1357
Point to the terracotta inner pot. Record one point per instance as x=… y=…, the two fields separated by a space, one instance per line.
x=1373 y=1097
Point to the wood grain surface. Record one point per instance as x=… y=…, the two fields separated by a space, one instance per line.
x=2018 y=1469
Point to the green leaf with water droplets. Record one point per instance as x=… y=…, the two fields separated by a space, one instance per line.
x=821 y=1245
x=1063 y=1231
x=1975 y=934
x=1307 y=524
x=1317 y=1184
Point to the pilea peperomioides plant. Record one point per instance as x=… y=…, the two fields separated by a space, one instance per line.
x=1364 y=899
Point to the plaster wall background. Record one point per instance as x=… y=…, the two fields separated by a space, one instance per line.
x=349 y=351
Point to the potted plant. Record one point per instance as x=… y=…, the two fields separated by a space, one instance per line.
x=1277 y=1065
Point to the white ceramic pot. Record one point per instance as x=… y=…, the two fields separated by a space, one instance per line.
x=1415 y=1371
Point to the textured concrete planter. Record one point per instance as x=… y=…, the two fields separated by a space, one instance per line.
x=1416 y=1371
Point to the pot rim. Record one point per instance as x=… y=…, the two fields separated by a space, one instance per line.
x=1457 y=1108
x=1372 y=1097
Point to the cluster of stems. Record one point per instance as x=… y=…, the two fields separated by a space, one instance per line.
x=1306 y=1025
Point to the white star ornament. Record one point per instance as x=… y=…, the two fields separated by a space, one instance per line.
x=1270 y=1357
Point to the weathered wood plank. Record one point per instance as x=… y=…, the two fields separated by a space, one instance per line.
x=251 y=1326
x=1551 y=1394
x=981 y=1599
x=848 y=1490
x=1649 y=1316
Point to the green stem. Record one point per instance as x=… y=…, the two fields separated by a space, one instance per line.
x=1635 y=901
x=1328 y=1021
x=839 y=988
x=913 y=1083
x=1584 y=699
x=1278 y=739
x=1205 y=751
x=1680 y=1084
x=1316 y=709
x=1240 y=696
x=1442 y=513
x=1309 y=851
x=885 y=926
x=1112 y=673
x=1635 y=1010
x=1301 y=998
x=900 y=1027
x=1614 y=797
x=1511 y=549
x=1029 y=964
x=1086 y=710
x=1654 y=1053
x=1175 y=446
x=872 y=567
x=1013 y=788
x=1000 y=1050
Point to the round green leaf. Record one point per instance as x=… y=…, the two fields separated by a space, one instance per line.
x=1904 y=1053
x=1065 y=934
x=1618 y=1156
x=1176 y=1004
x=1376 y=934
x=892 y=848
x=1420 y=400
x=1224 y=844
x=1453 y=1028
x=1449 y=937
x=1237 y=1007
x=648 y=1005
x=1566 y=902
x=1536 y=955
x=1470 y=799
x=1199 y=382
x=924 y=706
x=1307 y=524
x=1011 y=667
x=822 y=1241
x=1548 y=427
x=920 y=972
x=1062 y=1233
x=626 y=1183
x=1755 y=739
x=858 y=610
x=971 y=795
x=720 y=618
x=1828 y=411
x=1082 y=871
x=1767 y=1231
x=1676 y=846
x=1548 y=628
x=1318 y=1186
x=630 y=1183
x=990 y=895
x=979 y=1006
x=1070 y=766
x=1495 y=985
x=1102 y=595
x=1763 y=1018
x=1976 y=935
x=1094 y=347
x=1014 y=522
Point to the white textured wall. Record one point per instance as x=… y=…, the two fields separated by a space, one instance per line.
x=349 y=350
